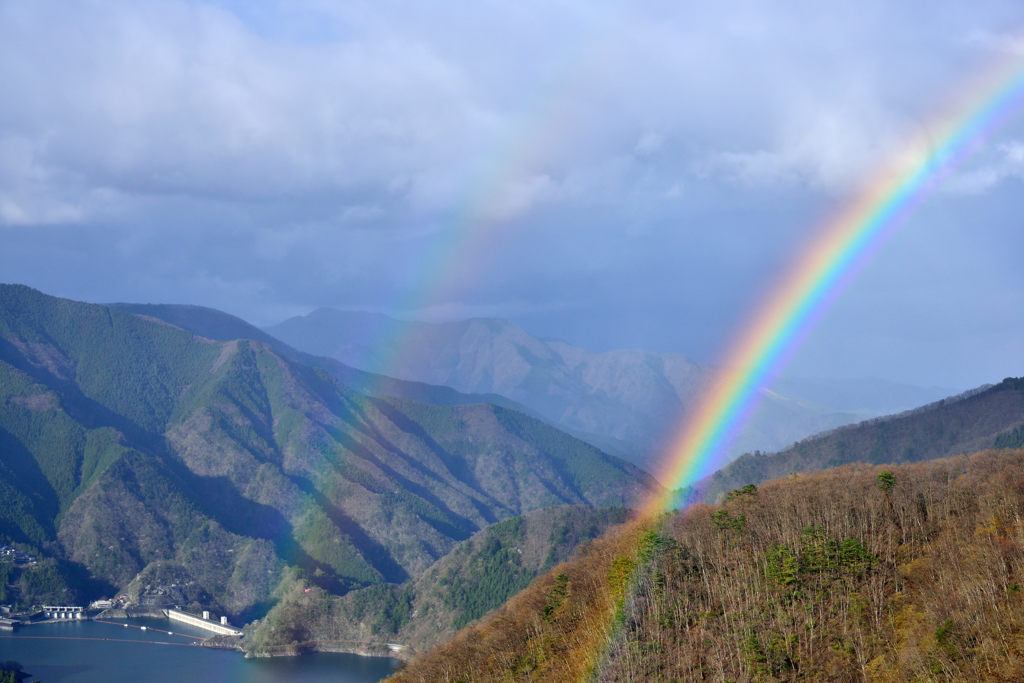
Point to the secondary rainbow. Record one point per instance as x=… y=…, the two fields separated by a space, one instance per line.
x=843 y=245
x=470 y=237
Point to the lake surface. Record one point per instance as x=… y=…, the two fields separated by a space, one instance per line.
x=87 y=651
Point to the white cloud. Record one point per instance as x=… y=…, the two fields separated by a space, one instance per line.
x=174 y=98
x=326 y=146
x=410 y=103
x=830 y=146
x=999 y=41
x=1005 y=162
x=34 y=193
x=649 y=143
x=515 y=197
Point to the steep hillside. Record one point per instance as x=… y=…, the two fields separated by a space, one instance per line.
x=988 y=417
x=478 y=576
x=554 y=630
x=131 y=445
x=910 y=572
x=626 y=402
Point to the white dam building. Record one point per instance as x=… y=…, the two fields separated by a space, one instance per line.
x=222 y=628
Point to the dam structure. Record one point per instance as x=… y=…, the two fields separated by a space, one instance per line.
x=221 y=628
x=63 y=611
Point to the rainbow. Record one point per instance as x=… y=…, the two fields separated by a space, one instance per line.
x=464 y=242
x=820 y=273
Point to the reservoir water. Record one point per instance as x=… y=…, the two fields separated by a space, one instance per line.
x=87 y=651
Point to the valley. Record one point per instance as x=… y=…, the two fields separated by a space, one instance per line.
x=178 y=457
x=511 y=342
x=141 y=458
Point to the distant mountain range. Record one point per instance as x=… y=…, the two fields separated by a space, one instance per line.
x=627 y=402
x=987 y=417
x=220 y=326
x=209 y=472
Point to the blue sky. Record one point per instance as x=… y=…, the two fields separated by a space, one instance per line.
x=613 y=174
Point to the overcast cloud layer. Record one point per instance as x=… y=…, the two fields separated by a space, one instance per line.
x=614 y=174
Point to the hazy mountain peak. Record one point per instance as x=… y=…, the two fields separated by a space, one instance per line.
x=628 y=401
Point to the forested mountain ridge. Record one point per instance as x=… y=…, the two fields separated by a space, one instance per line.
x=133 y=446
x=881 y=573
x=988 y=417
x=220 y=326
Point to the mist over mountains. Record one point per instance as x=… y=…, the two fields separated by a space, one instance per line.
x=628 y=402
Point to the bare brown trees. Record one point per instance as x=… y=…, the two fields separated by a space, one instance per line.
x=859 y=573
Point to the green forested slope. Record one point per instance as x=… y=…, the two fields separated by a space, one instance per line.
x=219 y=326
x=476 y=577
x=130 y=445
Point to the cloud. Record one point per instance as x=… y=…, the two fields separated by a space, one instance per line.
x=1005 y=162
x=827 y=145
x=999 y=41
x=649 y=143
x=329 y=103
x=35 y=193
x=624 y=150
x=515 y=197
x=184 y=99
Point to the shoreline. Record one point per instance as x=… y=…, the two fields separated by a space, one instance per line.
x=145 y=613
x=112 y=652
x=403 y=655
x=400 y=654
